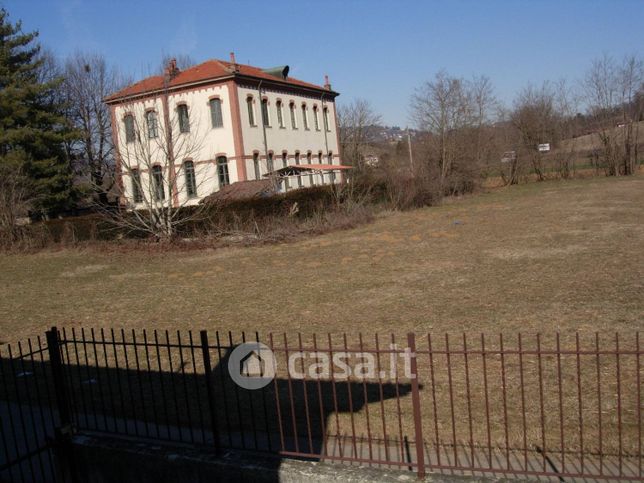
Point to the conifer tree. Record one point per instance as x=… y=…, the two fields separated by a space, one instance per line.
x=33 y=130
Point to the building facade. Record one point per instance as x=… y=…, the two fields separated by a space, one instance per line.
x=182 y=136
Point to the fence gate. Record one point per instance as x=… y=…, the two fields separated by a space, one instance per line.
x=32 y=424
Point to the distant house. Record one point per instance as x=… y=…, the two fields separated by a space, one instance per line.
x=255 y=123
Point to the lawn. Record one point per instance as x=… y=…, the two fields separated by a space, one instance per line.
x=541 y=257
x=538 y=257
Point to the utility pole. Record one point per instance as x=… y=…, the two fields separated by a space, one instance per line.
x=411 y=157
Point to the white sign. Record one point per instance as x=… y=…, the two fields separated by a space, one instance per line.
x=543 y=148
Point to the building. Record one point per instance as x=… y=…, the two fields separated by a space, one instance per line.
x=222 y=123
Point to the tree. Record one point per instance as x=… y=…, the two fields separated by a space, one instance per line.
x=87 y=81
x=357 y=122
x=443 y=109
x=535 y=117
x=33 y=129
x=154 y=172
x=611 y=92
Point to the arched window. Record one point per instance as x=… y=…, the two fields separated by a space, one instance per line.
x=251 y=113
x=269 y=163
x=191 y=181
x=280 y=116
x=265 y=119
x=157 y=179
x=315 y=118
x=184 y=120
x=308 y=161
x=153 y=124
x=319 y=157
x=222 y=171
x=305 y=119
x=256 y=167
x=291 y=107
x=284 y=159
x=215 y=113
x=137 y=192
x=128 y=121
x=297 y=162
x=325 y=114
x=330 y=157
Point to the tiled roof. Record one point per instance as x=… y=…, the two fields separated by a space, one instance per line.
x=211 y=69
x=241 y=190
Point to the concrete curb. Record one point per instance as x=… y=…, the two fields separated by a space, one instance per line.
x=104 y=459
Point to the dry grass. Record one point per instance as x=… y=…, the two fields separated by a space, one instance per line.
x=550 y=256
x=542 y=257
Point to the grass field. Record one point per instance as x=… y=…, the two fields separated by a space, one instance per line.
x=542 y=256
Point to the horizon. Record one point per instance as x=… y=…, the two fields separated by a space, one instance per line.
x=549 y=40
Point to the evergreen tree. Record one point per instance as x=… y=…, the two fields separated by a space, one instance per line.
x=33 y=130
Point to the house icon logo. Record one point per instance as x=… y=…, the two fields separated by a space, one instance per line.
x=252 y=365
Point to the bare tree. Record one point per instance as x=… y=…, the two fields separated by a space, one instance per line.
x=611 y=90
x=443 y=108
x=484 y=109
x=156 y=178
x=357 y=121
x=87 y=81
x=535 y=117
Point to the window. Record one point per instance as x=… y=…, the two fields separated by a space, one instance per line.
x=184 y=122
x=319 y=157
x=293 y=117
x=258 y=171
x=251 y=113
x=265 y=118
x=315 y=118
x=191 y=181
x=215 y=113
x=297 y=157
x=153 y=124
x=308 y=161
x=325 y=114
x=222 y=171
x=305 y=119
x=129 y=128
x=330 y=157
x=269 y=163
x=284 y=160
x=137 y=193
x=280 y=117
x=157 y=179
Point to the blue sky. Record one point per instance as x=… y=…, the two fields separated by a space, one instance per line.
x=378 y=50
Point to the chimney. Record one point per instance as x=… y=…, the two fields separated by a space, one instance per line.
x=327 y=86
x=171 y=69
x=233 y=62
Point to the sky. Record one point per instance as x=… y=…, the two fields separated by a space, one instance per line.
x=378 y=50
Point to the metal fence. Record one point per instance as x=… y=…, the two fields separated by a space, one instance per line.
x=553 y=406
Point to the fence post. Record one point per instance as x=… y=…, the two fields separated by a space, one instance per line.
x=415 y=399
x=65 y=431
x=205 y=349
